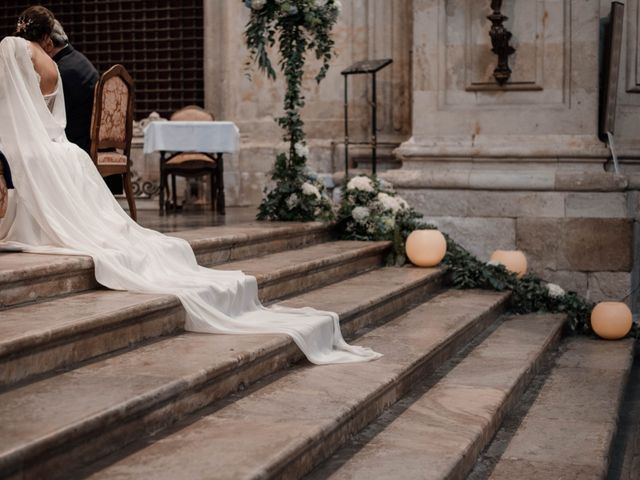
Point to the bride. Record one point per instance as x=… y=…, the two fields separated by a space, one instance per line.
x=61 y=205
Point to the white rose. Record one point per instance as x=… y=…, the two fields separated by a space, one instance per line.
x=360 y=214
x=301 y=150
x=338 y=5
x=360 y=183
x=292 y=201
x=258 y=4
x=388 y=202
x=554 y=290
x=309 y=189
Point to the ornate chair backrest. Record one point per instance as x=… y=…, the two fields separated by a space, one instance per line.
x=112 y=120
x=192 y=113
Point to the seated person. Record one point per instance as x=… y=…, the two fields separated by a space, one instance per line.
x=5 y=170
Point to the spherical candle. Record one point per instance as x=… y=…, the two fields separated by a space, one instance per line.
x=426 y=248
x=513 y=260
x=611 y=320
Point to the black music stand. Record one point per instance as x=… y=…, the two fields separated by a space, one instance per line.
x=370 y=67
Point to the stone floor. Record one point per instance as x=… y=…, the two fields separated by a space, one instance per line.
x=173 y=222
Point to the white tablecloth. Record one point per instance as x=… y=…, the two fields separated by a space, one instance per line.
x=209 y=137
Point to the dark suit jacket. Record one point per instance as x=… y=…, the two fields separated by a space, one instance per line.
x=79 y=78
x=7 y=172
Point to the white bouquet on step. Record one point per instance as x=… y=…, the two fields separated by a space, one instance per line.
x=372 y=210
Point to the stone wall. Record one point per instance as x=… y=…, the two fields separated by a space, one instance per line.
x=366 y=29
x=579 y=234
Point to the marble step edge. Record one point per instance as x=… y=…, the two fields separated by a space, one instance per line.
x=585 y=387
x=214 y=383
x=162 y=315
x=200 y=240
x=256 y=240
x=44 y=350
x=423 y=345
x=463 y=409
x=298 y=270
x=42 y=283
x=295 y=463
x=212 y=246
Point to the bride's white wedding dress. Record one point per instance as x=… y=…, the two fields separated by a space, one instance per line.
x=61 y=205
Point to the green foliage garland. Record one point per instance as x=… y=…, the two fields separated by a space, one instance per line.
x=298 y=27
x=362 y=216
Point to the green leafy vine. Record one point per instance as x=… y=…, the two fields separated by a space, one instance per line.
x=297 y=27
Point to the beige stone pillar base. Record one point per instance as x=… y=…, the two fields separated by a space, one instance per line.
x=579 y=227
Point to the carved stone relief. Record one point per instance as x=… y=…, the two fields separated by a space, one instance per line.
x=541 y=36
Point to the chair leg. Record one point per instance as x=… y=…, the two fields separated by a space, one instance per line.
x=163 y=183
x=220 y=184
x=212 y=190
x=128 y=188
x=174 y=194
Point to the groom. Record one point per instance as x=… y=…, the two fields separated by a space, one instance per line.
x=79 y=78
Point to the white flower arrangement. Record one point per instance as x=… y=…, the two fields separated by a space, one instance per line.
x=301 y=150
x=388 y=202
x=309 y=189
x=555 y=291
x=360 y=183
x=360 y=214
x=371 y=210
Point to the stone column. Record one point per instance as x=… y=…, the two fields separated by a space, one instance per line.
x=521 y=166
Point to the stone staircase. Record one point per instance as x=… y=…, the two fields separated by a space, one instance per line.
x=105 y=384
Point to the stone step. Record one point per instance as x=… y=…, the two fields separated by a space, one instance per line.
x=221 y=244
x=287 y=273
x=27 y=278
x=282 y=428
x=439 y=434
x=569 y=429
x=40 y=337
x=58 y=422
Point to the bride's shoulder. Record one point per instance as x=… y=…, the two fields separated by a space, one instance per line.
x=13 y=42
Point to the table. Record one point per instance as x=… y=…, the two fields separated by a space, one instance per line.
x=173 y=137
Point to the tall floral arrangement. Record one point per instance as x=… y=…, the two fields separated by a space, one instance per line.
x=297 y=28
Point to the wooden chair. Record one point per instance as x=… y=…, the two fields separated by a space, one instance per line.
x=194 y=164
x=112 y=128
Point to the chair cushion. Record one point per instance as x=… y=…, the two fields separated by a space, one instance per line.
x=113 y=121
x=111 y=158
x=190 y=157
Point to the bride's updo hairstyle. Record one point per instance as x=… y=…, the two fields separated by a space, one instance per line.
x=34 y=24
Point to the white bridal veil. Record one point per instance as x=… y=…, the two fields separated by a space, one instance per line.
x=62 y=206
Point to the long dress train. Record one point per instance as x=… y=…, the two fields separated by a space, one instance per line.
x=61 y=205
